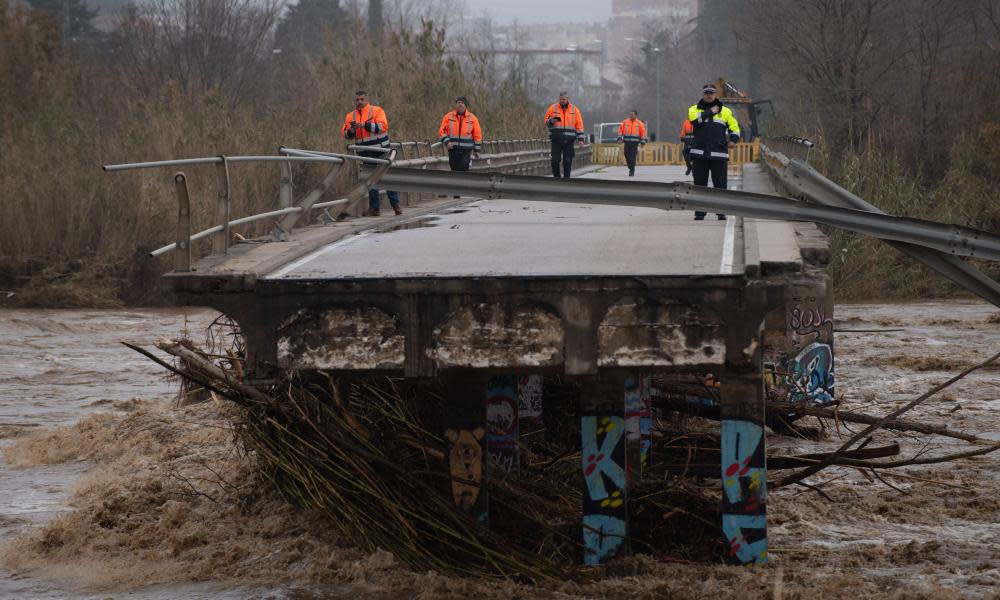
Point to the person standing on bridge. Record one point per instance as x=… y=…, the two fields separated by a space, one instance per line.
x=368 y=126
x=715 y=131
x=461 y=135
x=632 y=132
x=565 y=125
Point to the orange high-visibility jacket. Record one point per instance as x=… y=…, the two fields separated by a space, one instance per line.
x=569 y=126
x=375 y=130
x=461 y=130
x=687 y=132
x=632 y=131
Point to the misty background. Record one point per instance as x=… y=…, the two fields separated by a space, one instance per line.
x=901 y=97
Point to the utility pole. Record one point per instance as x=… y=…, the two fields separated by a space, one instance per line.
x=657 y=129
x=375 y=20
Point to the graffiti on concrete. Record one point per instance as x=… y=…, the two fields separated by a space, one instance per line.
x=744 y=485
x=529 y=400
x=502 y=422
x=465 y=463
x=798 y=357
x=638 y=424
x=604 y=502
x=812 y=375
x=809 y=319
x=646 y=422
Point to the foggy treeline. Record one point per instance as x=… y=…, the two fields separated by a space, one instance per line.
x=186 y=78
x=902 y=97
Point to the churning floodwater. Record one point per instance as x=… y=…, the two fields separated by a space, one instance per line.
x=937 y=533
x=57 y=366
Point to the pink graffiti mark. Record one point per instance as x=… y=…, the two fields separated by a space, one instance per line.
x=592 y=462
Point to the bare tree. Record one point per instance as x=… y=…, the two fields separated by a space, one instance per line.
x=222 y=46
x=840 y=57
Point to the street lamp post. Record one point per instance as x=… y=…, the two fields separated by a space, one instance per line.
x=657 y=129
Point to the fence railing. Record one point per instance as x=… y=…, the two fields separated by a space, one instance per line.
x=508 y=156
x=667 y=153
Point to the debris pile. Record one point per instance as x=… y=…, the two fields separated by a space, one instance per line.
x=364 y=452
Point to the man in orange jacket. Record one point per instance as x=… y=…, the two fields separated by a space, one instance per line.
x=565 y=125
x=461 y=134
x=367 y=125
x=632 y=132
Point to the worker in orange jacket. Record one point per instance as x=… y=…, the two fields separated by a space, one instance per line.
x=368 y=126
x=565 y=125
x=687 y=136
x=632 y=133
x=461 y=135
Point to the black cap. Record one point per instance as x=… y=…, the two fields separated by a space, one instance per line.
x=462 y=99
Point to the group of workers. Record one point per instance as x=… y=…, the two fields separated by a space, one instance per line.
x=709 y=130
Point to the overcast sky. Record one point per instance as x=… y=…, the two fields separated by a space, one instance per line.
x=534 y=11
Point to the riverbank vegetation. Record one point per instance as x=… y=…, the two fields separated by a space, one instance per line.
x=896 y=93
x=189 y=78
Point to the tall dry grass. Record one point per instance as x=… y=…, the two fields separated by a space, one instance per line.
x=74 y=235
x=968 y=194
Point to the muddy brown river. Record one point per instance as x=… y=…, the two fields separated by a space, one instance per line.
x=935 y=533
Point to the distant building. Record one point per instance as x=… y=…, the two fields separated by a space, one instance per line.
x=632 y=21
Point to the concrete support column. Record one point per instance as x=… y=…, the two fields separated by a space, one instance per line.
x=743 y=468
x=603 y=460
x=464 y=426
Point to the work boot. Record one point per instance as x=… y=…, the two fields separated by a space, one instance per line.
x=396 y=209
x=631 y=173
x=721 y=217
x=698 y=217
x=373 y=212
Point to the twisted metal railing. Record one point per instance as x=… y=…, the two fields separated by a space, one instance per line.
x=800 y=180
x=516 y=156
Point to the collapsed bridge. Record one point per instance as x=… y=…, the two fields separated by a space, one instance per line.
x=522 y=278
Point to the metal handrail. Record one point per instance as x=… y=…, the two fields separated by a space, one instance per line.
x=214 y=160
x=510 y=150
x=317 y=153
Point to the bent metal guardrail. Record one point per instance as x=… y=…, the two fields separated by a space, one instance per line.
x=518 y=156
x=951 y=239
x=801 y=180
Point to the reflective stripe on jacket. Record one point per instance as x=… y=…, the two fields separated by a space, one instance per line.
x=632 y=131
x=376 y=127
x=569 y=126
x=461 y=130
x=712 y=132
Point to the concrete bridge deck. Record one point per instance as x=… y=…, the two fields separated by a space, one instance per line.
x=512 y=238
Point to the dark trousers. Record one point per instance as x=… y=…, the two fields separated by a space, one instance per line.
x=562 y=154
x=459 y=159
x=373 y=199
x=631 y=150
x=700 y=169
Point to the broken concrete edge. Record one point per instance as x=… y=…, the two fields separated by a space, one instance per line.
x=203 y=278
